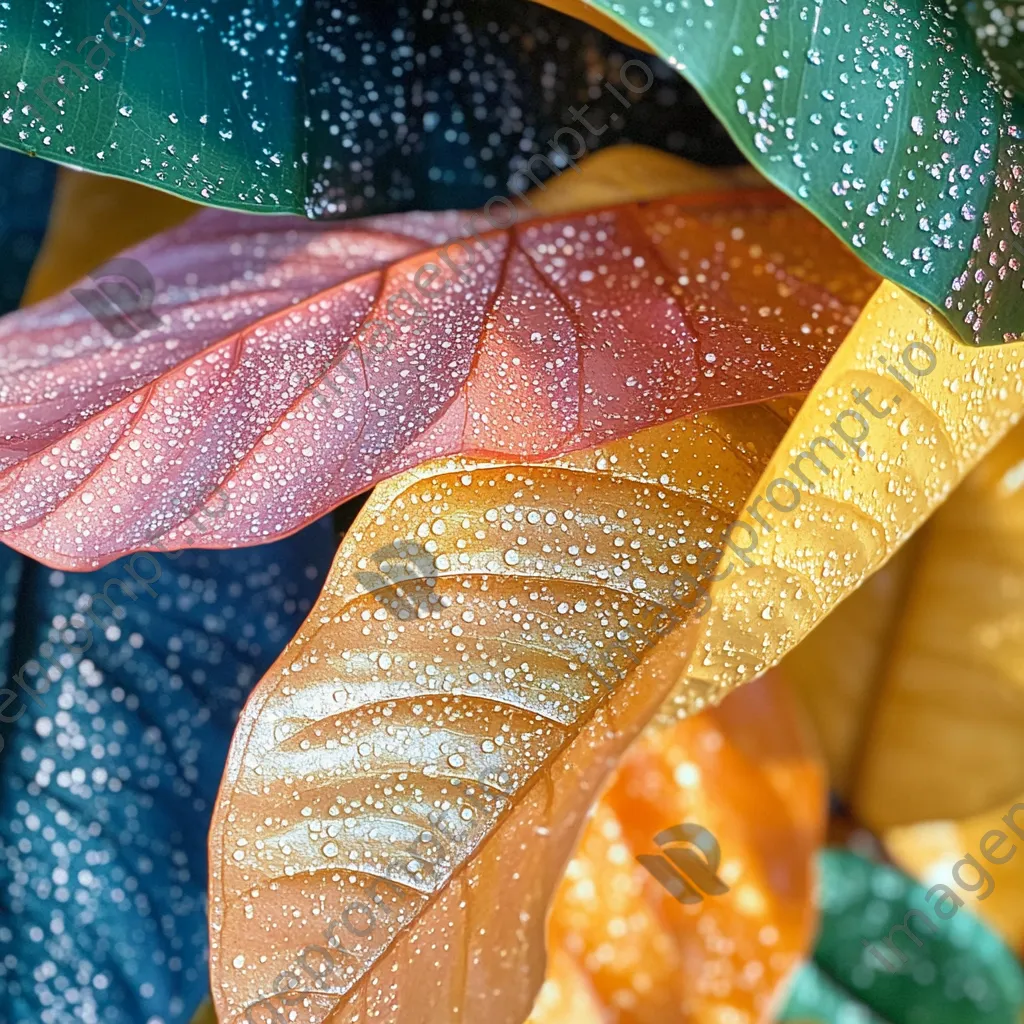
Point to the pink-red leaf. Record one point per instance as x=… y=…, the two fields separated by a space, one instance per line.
x=297 y=363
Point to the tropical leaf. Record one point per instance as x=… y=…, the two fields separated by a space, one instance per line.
x=25 y=190
x=848 y=513
x=92 y=219
x=913 y=748
x=120 y=694
x=442 y=721
x=885 y=119
x=887 y=953
x=834 y=669
x=330 y=108
x=621 y=948
x=299 y=363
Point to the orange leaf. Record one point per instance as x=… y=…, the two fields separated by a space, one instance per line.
x=441 y=723
x=621 y=947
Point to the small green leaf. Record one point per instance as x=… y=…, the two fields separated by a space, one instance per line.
x=868 y=968
x=329 y=107
x=887 y=120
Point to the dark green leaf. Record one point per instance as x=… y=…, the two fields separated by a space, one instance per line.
x=883 y=118
x=955 y=972
x=327 y=107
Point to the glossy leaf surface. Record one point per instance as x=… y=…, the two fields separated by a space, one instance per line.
x=923 y=675
x=885 y=119
x=853 y=513
x=344 y=107
x=960 y=973
x=621 y=949
x=299 y=363
x=121 y=691
x=443 y=720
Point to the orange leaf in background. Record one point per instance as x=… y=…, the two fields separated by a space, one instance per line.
x=299 y=363
x=622 y=950
x=447 y=714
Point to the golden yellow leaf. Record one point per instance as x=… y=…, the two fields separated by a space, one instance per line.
x=787 y=569
x=927 y=719
x=637 y=172
x=93 y=218
x=946 y=739
x=931 y=851
x=469 y=717
x=621 y=947
x=833 y=669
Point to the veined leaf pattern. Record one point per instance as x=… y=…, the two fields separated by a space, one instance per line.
x=885 y=119
x=299 y=363
x=451 y=751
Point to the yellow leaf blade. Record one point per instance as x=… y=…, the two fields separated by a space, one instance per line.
x=853 y=513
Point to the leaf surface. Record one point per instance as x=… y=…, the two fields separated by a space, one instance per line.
x=618 y=941
x=853 y=512
x=887 y=120
x=328 y=108
x=441 y=723
x=934 y=724
x=298 y=363
x=961 y=972
x=121 y=689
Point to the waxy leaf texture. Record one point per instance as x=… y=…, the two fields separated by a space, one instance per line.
x=854 y=512
x=298 y=363
x=441 y=723
x=621 y=948
x=899 y=661
x=329 y=107
x=886 y=119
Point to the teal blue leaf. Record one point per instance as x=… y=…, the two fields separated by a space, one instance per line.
x=887 y=120
x=866 y=968
x=119 y=702
x=26 y=188
x=328 y=107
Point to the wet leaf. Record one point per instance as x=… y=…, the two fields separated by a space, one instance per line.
x=885 y=119
x=867 y=967
x=421 y=758
x=933 y=712
x=121 y=689
x=297 y=363
x=330 y=108
x=946 y=736
x=850 y=514
x=621 y=949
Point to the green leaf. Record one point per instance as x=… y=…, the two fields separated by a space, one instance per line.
x=886 y=119
x=960 y=973
x=327 y=107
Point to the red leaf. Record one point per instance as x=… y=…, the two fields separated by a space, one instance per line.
x=272 y=390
